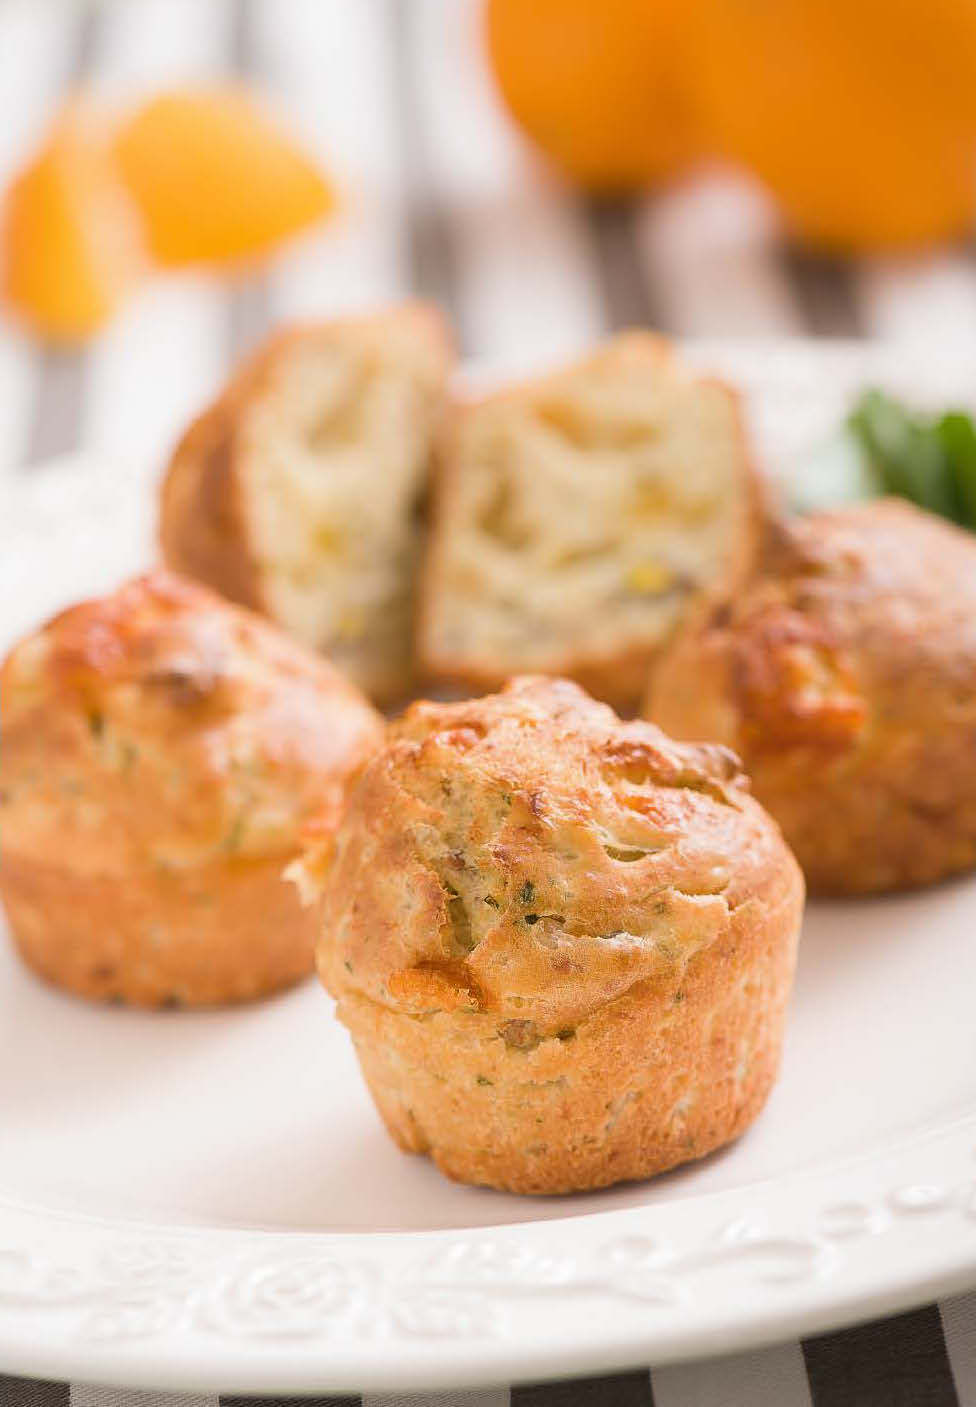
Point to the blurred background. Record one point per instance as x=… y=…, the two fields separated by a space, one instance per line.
x=547 y=170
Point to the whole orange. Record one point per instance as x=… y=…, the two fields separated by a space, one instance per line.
x=597 y=85
x=860 y=115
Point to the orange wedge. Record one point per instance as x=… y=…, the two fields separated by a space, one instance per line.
x=71 y=244
x=215 y=178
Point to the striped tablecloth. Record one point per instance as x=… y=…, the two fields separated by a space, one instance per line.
x=926 y=1358
x=440 y=198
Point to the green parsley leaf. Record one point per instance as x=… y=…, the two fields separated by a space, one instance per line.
x=957 y=436
x=931 y=461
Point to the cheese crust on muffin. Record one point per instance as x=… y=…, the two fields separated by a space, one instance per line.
x=845 y=677
x=298 y=493
x=563 y=945
x=578 y=520
x=161 y=754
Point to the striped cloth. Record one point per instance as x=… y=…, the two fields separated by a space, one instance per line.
x=926 y=1358
x=441 y=199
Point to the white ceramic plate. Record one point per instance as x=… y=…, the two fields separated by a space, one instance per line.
x=208 y=1200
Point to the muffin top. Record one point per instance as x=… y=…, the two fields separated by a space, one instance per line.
x=530 y=855
x=162 y=724
x=860 y=624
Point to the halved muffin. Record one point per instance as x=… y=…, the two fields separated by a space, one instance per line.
x=579 y=519
x=298 y=492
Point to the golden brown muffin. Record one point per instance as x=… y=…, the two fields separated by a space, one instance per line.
x=160 y=752
x=563 y=945
x=579 y=519
x=298 y=492
x=845 y=676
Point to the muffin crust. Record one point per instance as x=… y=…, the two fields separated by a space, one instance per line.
x=565 y=954
x=161 y=755
x=845 y=676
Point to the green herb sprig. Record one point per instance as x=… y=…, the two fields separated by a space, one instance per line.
x=930 y=460
x=883 y=447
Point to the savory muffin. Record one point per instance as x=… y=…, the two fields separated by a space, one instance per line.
x=845 y=676
x=298 y=492
x=563 y=944
x=578 y=519
x=160 y=753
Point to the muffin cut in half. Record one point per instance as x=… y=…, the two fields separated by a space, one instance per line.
x=845 y=676
x=299 y=491
x=579 y=519
x=563 y=944
x=161 y=755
